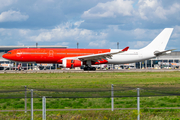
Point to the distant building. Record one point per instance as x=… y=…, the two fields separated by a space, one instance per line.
x=168 y=59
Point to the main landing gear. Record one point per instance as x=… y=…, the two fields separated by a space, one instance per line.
x=87 y=68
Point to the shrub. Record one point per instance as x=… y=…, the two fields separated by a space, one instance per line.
x=4 y=107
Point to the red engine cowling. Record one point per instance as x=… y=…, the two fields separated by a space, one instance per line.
x=70 y=63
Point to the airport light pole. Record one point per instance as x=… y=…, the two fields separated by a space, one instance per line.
x=117 y=45
x=77 y=45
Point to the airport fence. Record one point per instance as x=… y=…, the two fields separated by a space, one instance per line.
x=91 y=92
x=110 y=91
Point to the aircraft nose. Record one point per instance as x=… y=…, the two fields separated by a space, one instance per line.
x=5 y=56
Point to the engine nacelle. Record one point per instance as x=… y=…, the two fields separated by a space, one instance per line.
x=70 y=63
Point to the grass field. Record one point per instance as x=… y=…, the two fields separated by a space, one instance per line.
x=96 y=115
x=87 y=80
x=93 y=81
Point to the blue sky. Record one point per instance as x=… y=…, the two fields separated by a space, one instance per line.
x=91 y=23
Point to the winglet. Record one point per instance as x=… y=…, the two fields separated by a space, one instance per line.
x=125 y=49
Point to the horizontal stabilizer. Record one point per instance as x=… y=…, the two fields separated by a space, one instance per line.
x=157 y=53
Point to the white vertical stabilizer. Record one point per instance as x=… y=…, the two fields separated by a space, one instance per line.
x=160 y=42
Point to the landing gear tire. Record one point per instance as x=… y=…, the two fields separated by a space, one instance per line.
x=93 y=68
x=89 y=68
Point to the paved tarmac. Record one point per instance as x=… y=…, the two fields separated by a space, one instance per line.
x=82 y=71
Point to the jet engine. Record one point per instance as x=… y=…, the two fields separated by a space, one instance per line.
x=70 y=63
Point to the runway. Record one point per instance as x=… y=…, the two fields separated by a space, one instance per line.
x=82 y=71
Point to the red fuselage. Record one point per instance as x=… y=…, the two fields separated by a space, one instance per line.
x=49 y=55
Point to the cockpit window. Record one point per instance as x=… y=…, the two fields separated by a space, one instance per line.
x=9 y=53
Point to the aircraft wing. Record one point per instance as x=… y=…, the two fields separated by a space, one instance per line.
x=157 y=53
x=96 y=57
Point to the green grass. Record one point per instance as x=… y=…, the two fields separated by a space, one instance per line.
x=92 y=81
x=73 y=103
x=97 y=115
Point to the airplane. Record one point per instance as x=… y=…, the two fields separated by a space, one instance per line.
x=71 y=58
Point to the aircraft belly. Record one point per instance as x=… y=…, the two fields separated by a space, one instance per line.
x=122 y=59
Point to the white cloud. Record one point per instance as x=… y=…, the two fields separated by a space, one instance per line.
x=78 y=23
x=110 y=9
x=138 y=44
x=68 y=35
x=176 y=32
x=45 y=36
x=65 y=43
x=66 y=31
x=4 y=3
x=5 y=32
x=12 y=16
x=146 y=6
x=1 y=30
x=20 y=43
x=24 y=32
x=98 y=43
x=148 y=3
x=144 y=33
x=137 y=33
x=132 y=14
x=153 y=9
